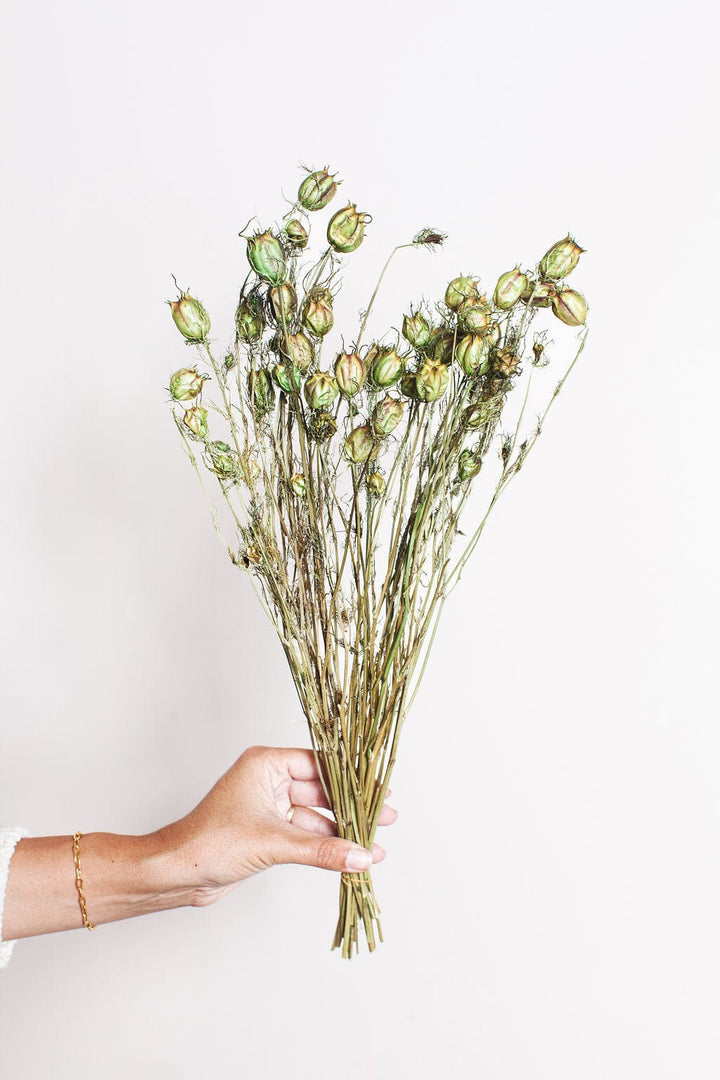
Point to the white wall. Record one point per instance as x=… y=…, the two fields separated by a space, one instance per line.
x=551 y=891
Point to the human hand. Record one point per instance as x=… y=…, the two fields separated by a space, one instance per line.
x=241 y=826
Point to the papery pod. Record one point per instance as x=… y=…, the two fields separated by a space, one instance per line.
x=186 y=384
x=468 y=465
x=322 y=425
x=560 y=260
x=539 y=294
x=442 y=345
x=459 y=290
x=386 y=416
x=376 y=484
x=297 y=234
x=506 y=362
x=317 y=189
x=387 y=368
x=221 y=460
x=473 y=354
x=320 y=390
x=196 y=421
x=474 y=416
x=416 y=329
x=191 y=318
x=298 y=485
x=432 y=380
x=408 y=386
x=261 y=392
x=249 y=319
x=361 y=445
x=350 y=373
x=265 y=255
x=298 y=348
x=474 y=315
x=570 y=307
x=287 y=376
x=249 y=468
x=283 y=303
x=317 y=315
x=346 y=229
x=509 y=289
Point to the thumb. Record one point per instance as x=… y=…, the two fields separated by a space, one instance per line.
x=328 y=853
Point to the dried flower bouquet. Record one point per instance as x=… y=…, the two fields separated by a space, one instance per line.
x=344 y=477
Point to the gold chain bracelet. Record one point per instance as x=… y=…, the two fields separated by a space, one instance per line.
x=79 y=881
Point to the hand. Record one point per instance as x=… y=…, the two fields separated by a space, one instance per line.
x=241 y=826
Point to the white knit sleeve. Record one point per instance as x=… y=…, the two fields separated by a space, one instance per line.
x=8 y=839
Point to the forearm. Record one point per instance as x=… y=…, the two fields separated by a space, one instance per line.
x=123 y=876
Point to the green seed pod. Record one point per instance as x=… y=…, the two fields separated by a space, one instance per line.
x=221 y=460
x=376 y=484
x=494 y=333
x=474 y=315
x=298 y=485
x=297 y=234
x=432 y=380
x=190 y=317
x=509 y=289
x=350 y=373
x=196 y=421
x=261 y=392
x=416 y=329
x=539 y=294
x=321 y=389
x=249 y=321
x=298 y=348
x=570 y=307
x=287 y=376
x=322 y=426
x=186 y=384
x=317 y=315
x=408 y=387
x=560 y=260
x=265 y=255
x=316 y=190
x=346 y=229
x=361 y=445
x=386 y=416
x=473 y=354
x=283 y=303
x=468 y=466
x=459 y=290
x=442 y=345
x=474 y=416
x=387 y=368
x=505 y=362
x=249 y=469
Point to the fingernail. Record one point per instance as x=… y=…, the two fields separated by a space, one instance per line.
x=358 y=859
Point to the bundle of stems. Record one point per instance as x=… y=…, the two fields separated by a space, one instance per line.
x=344 y=486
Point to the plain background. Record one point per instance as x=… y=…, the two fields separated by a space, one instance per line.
x=551 y=893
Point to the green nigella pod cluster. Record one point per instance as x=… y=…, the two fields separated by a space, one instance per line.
x=186 y=384
x=265 y=255
x=222 y=460
x=321 y=389
x=191 y=318
x=316 y=190
x=346 y=229
x=474 y=314
x=459 y=290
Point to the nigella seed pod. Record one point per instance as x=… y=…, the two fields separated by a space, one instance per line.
x=321 y=389
x=468 y=466
x=317 y=189
x=249 y=321
x=196 y=421
x=262 y=395
x=442 y=345
x=416 y=329
x=249 y=469
x=322 y=426
x=376 y=484
x=361 y=445
x=474 y=416
x=473 y=354
x=346 y=229
x=191 y=318
x=350 y=373
x=539 y=294
x=297 y=234
x=221 y=460
x=506 y=362
x=265 y=255
x=460 y=289
x=408 y=387
x=560 y=260
x=298 y=485
x=432 y=380
x=386 y=416
x=317 y=315
x=186 y=384
x=509 y=289
x=287 y=376
x=299 y=349
x=283 y=303
x=387 y=368
x=570 y=307
x=474 y=314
